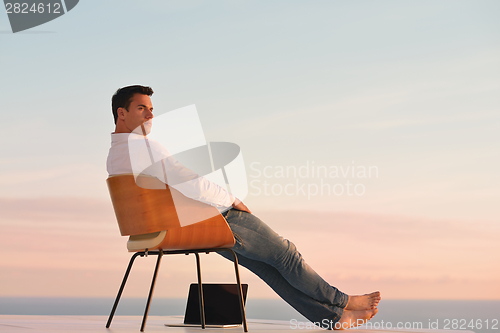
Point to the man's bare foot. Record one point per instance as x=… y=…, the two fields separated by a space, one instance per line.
x=363 y=302
x=354 y=318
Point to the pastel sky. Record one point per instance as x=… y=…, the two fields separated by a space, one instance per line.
x=408 y=88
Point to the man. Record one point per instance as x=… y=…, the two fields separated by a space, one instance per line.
x=273 y=258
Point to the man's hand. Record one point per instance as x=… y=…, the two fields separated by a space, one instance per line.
x=237 y=204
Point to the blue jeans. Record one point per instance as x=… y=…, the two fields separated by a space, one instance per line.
x=277 y=261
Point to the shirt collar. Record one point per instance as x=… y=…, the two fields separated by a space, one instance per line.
x=124 y=137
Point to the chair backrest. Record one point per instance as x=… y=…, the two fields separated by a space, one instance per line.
x=146 y=205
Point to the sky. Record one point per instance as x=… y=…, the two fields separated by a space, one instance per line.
x=405 y=94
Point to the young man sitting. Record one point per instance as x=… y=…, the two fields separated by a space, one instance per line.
x=271 y=257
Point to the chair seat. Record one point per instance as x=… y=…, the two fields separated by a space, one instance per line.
x=202 y=235
x=147 y=241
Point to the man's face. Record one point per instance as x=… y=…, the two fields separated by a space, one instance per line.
x=140 y=111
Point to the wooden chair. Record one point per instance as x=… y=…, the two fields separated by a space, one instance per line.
x=145 y=211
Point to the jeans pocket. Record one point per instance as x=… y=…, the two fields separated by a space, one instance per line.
x=238 y=242
x=226 y=214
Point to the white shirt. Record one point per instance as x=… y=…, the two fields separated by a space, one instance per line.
x=179 y=177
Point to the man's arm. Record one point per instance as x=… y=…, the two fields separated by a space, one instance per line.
x=188 y=182
x=201 y=189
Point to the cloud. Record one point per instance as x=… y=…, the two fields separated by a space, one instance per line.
x=428 y=120
x=79 y=237
x=59 y=209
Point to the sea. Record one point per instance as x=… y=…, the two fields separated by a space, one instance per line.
x=471 y=315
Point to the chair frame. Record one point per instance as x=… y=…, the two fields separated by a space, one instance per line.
x=160 y=254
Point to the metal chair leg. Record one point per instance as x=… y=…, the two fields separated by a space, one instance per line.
x=146 y=311
x=200 y=291
x=240 y=292
x=200 y=285
x=122 y=286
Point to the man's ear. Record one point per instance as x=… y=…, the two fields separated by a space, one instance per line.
x=122 y=113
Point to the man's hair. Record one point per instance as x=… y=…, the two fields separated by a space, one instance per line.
x=123 y=97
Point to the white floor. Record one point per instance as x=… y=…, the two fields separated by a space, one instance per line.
x=49 y=324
